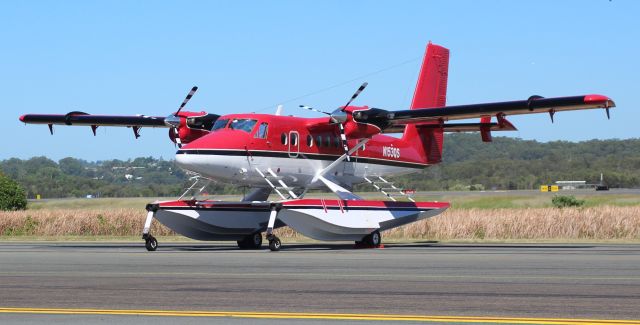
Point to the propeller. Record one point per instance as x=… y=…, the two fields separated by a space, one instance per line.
x=314 y=110
x=187 y=99
x=356 y=94
x=173 y=120
x=338 y=116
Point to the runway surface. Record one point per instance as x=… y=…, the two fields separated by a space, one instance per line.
x=424 y=279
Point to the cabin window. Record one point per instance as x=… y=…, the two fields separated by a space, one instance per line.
x=309 y=141
x=319 y=141
x=327 y=141
x=243 y=124
x=336 y=141
x=219 y=124
x=283 y=138
x=262 y=131
x=294 y=139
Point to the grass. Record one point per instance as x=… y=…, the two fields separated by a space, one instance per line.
x=511 y=200
x=474 y=216
x=459 y=200
x=104 y=203
x=601 y=223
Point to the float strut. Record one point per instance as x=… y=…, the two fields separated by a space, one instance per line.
x=150 y=242
x=274 y=241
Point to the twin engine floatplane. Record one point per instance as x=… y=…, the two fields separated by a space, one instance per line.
x=289 y=155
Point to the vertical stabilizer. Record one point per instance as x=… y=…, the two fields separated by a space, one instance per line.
x=431 y=91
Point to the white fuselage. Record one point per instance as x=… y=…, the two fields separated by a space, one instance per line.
x=295 y=171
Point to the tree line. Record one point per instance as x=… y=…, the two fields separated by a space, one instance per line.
x=511 y=163
x=468 y=163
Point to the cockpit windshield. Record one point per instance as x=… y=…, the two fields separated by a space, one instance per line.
x=219 y=124
x=245 y=125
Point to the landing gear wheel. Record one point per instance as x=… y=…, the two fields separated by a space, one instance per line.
x=150 y=243
x=256 y=240
x=274 y=244
x=374 y=239
x=253 y=241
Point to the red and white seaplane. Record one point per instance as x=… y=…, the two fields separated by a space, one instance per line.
x=289 y=155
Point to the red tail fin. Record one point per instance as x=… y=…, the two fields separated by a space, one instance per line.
x=431 y=91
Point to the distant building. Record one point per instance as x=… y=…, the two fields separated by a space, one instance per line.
x=571 y=185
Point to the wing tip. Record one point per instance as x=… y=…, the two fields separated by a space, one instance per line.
x=601 y=100
x=22 y=118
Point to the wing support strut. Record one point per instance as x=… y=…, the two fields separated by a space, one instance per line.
x=333 y=165
x=338 y=190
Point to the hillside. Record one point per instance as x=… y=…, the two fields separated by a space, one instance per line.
x=506 y=163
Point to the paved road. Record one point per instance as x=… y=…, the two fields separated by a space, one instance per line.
x=558 y=281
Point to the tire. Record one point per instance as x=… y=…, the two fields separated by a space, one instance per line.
x=275 y=244
x=374 y=239
x=151 y=243
x=242 y=244
x=255 y=240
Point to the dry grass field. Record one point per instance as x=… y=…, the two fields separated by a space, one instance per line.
x=605 y=221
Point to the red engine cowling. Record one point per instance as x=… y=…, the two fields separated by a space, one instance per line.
x=193 y=125
x=353 y=129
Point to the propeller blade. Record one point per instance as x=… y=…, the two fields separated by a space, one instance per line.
x=343 y=140
x=176 y=137
x=186 y=100
x=313 y=109
x=356 y=94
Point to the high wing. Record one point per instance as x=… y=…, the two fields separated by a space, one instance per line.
x=81 y=118
x=134 y=122
x=185 y=126
x=535 y=104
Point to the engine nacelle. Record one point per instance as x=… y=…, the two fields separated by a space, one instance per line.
x=355 y=130
x=193 y=125
x=358 y=130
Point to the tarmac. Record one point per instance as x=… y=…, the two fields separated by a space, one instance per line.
x=312 y=284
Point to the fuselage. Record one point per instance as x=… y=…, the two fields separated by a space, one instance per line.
x=295 y=149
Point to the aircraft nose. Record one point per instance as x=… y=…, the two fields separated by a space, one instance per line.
x=183 y=161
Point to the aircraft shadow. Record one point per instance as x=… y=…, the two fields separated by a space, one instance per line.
x=523 y=246
x=321 y=246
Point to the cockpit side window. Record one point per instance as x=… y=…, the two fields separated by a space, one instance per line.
x=262 y=131
x=245 y=125
x=219 y=124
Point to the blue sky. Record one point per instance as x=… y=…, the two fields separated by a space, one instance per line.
x=142 y=57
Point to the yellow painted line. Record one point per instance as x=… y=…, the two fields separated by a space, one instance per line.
x=278 y=315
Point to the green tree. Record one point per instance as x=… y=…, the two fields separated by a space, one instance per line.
x=71 y=166
x=12 y=196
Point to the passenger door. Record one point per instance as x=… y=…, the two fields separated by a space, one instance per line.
x=294 y=144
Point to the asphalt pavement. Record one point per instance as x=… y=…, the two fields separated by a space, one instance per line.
x=572 y=281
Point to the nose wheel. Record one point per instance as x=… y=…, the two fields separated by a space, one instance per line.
x=274 y=241
x=150 y=242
